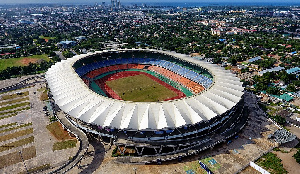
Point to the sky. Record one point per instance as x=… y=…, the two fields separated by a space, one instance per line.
x=139 y=1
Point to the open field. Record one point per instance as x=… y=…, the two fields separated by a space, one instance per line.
x=16 y=143
x=271 y=163
x=15 y=157
x=15 y=127
x=64 y=144
x=7 y=125
x=140 y=88
x=58 y=132
x=37 y=169
x=16 y=134
x=14 y=106
x=14 y=101
x=12 y=96
x=13 y=112
x=10 y=115
x=22 y=61
x=47 y=38
x=11 y=104
x=16 y=131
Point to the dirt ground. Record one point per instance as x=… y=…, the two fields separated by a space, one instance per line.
x=296 y=102
x=288 y=161
x=26 y=61
x=250 y=170
x=294 y=130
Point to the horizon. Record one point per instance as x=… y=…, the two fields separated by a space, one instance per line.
x=153 y=2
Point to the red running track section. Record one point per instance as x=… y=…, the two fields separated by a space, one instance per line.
x=110 y=93
x=195 y=87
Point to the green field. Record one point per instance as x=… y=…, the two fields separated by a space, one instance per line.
x=271 y=163
x=197 y=169
x=48 y=38
x=14 y=157
x=64 y=144
x=5 y=63
x=140 y=88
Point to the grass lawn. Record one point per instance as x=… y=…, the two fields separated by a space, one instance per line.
x=64 y=144
x=7 y=116
x=22 y=61
x=14 y=111
x=15 y=127
x=14 y=101
x=14 y=106
x=14 y=90
x=271 y=163
x=16 y=143
x=195 y=167
x=140 y=88
x=47 y=38
x=8 y=125
x=58 y=132
x=16 y=134
x=208 y=162
x=44 y=96
x=12 y=96
x=42 y=89
x=37 y=169
x=15 y=157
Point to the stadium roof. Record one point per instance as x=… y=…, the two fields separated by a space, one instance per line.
x=75 y=98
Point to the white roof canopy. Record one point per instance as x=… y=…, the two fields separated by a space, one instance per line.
x=75 y=98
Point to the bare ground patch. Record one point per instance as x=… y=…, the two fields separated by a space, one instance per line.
x=26 y=61
x=288 y=161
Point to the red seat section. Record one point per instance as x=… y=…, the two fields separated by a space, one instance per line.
x=193 y=86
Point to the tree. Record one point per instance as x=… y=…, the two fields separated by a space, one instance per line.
x=280 y=120
x=68 y=54
x=273 y=90
x=291 y=87
x=52 y=54
x=297 y=156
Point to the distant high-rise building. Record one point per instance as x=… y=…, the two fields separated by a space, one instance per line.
x=103 y=3
x=115 y=4
x=119 y=4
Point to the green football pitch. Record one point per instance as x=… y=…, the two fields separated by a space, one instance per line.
x=140 y=88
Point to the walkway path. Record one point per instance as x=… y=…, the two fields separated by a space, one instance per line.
x=84 y=144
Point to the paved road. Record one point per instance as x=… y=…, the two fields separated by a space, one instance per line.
x=59 y=54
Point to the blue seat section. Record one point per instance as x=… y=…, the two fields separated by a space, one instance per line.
x=122 y=61
x=183 y=71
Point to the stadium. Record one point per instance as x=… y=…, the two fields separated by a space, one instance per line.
x=149 y=102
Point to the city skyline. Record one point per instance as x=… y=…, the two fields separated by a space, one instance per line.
x=138 y=2
x=149 y=87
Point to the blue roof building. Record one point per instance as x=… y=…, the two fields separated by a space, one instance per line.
x=271 y=70
x=254 y=59
x=67 y=44
x=295 y=70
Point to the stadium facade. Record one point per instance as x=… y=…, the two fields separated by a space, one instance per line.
x=200 y=119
